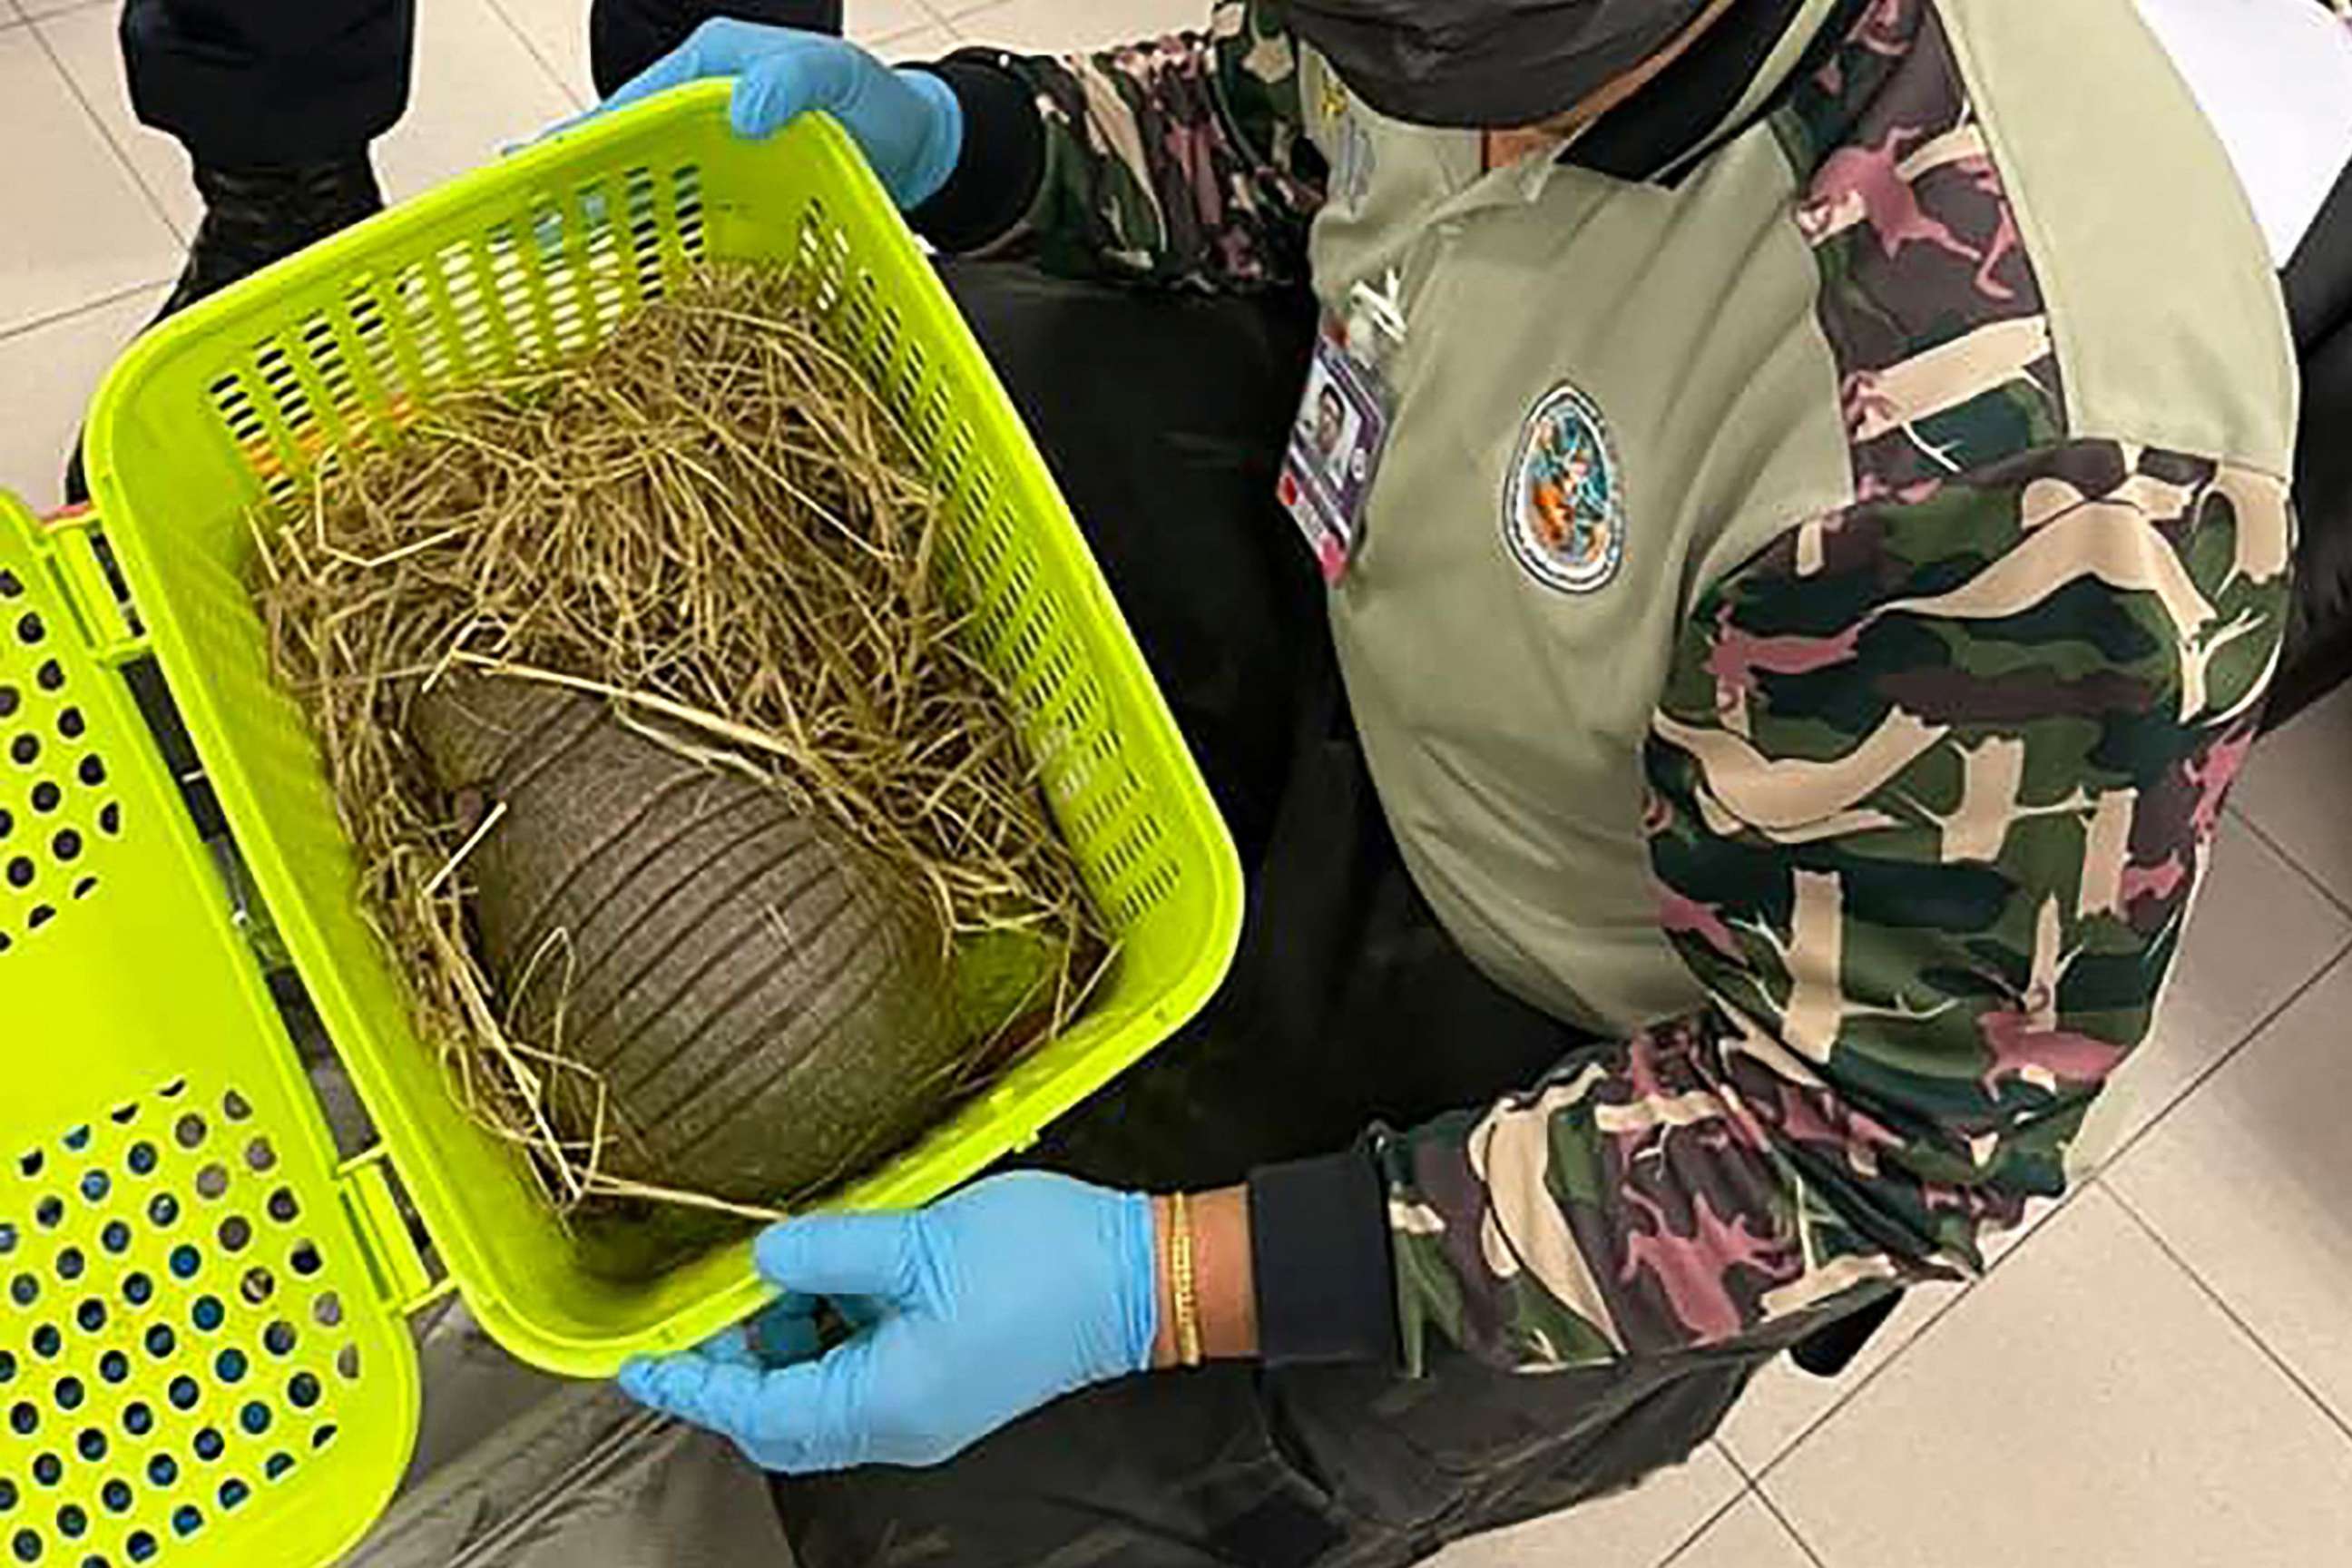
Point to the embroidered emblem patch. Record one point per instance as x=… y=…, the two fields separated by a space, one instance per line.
x=1563 y=505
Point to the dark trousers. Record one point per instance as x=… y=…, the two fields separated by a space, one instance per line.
x=244 y=82
x=1162 y=417
x=2318 y=281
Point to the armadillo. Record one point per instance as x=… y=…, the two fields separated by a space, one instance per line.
x=764 y=1004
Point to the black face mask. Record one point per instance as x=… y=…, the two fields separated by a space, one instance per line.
x=1485 y=63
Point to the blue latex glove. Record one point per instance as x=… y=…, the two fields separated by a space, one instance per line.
x=969 y=1314
x=907 y=122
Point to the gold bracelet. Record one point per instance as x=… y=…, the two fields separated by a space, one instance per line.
x=1183 y=1288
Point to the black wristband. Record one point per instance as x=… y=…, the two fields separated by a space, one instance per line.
x=1325 y=1276
x=1003 y=159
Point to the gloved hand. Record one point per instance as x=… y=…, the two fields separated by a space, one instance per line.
x=967 y=1314
x=907 y=122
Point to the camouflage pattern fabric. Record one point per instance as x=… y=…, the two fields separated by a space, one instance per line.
x=1932 y=782
x=1931 y=787
x=1930 y=302
x=1180 y=162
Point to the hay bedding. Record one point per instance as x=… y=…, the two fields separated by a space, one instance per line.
x=707 y=851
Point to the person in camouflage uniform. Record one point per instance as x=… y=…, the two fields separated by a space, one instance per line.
x=1721 y=911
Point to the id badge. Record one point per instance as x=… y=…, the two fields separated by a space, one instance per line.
x=1334 y=451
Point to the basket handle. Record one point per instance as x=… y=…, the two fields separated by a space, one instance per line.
x=73 y=552
x=94 y=589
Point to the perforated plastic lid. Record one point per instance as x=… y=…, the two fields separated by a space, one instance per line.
x=202 y=1357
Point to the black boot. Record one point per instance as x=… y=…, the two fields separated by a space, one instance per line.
x=253 y=217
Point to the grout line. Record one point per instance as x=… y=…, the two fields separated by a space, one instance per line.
x=547 y=68
x=2026 y=1237
x=98 y=122
x=2287 y=1371
x=1772 y=1506
x=931 y=23
x=2293 y=860
x=936 y=15
x=1847 y=1397
x=1731 y=1458
x=56 y=8
x=1804 y=1434
x=2327 y=966
x=97 y=302
x=1683 y=1546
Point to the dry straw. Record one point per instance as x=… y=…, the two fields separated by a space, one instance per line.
x=711 y=519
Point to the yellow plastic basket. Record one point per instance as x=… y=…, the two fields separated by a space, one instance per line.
x=158 y=1125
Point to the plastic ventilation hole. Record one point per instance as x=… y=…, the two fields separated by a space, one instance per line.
x=169 y=1339
x=56 y=811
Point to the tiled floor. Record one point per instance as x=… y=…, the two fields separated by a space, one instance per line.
x=2158 y=1376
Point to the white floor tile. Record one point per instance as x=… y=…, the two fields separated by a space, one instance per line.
x=47 y=376
x=1639 y=1528
x=2248 y=1183
x=1785 y=1400
x=1746 y=1537
x=2292 y=789
x=2089 y=1405
x=85 y=44
x=478 y=89
x=2259 y=933
x=1060 y=26
x=36 y=8
x=79 y=227
x=557 y=32
x=882 y=21
x=930 y=42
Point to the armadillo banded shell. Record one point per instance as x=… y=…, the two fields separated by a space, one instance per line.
x=765 y=1005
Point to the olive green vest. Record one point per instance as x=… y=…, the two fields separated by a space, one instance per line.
x=1504 y=646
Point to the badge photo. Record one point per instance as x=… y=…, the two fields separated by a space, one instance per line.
x=1335 y=446
x=1563 y=503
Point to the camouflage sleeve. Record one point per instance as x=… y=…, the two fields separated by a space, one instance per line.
x=1180 y=162
x=1930 y=788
